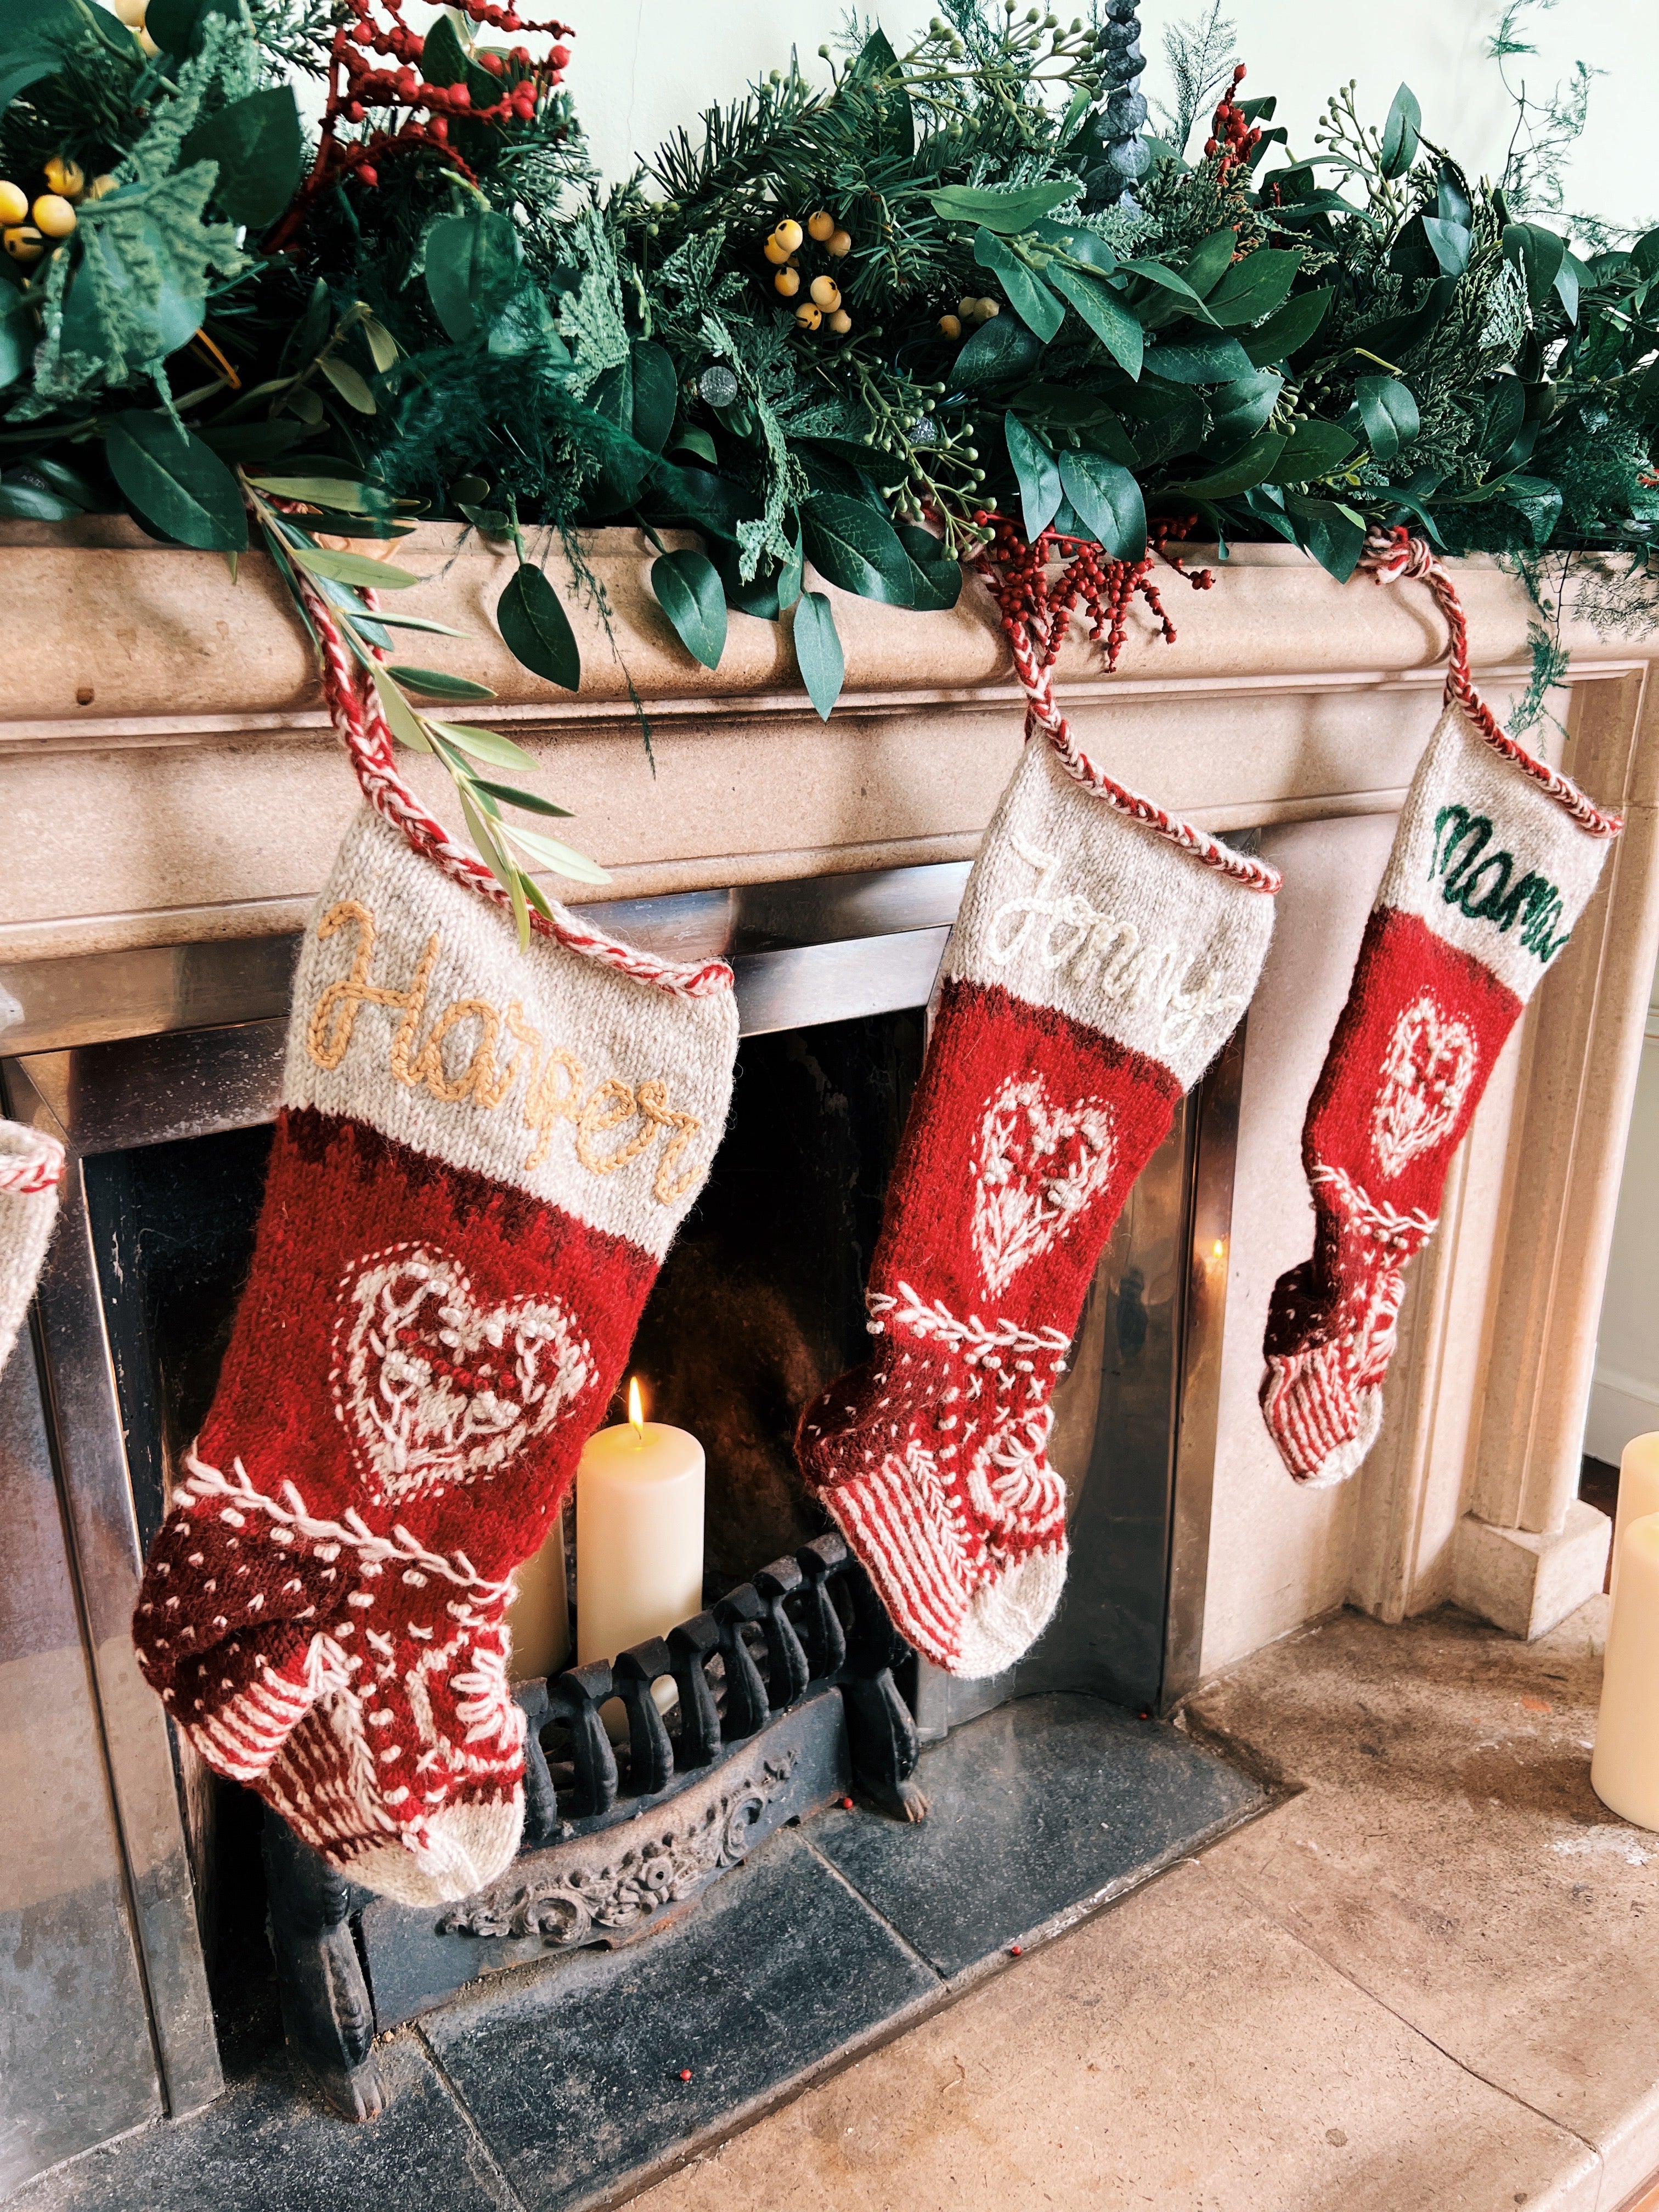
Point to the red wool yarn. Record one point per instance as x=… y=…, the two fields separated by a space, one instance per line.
x=1493 y=862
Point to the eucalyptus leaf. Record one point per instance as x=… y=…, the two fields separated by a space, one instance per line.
x=1254 y=287
x=177 y=483
x=1452 y=243
x=1211 y=259
x=354 y=569
x=1314 y=450
x=817 y=650
x=1286 y=333
x=693 y=439
x=1239 y=409
x=1219 y=360
x=1109 y=501
x=854 y=546
x=689 y=592
x=1106 y=314
x=1388 y=413
x=1027 y=295
x=472 y=271
x=537 y=629
x=259 y=147
x=997 y=352
x=1400 y=133
x=1009 y=212
x=935 y=578
x=1038 y=472
x=1333 y=534
x=1247 y=469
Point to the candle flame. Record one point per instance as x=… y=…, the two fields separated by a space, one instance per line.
x=636 y=1411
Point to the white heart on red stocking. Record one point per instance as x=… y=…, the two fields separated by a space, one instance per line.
x=434 y=1389
x=1039 y=1166
x=1431 y=1062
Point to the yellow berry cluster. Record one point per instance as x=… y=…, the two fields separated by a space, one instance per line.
x=133 y=13
x=27 y=231
x=823 y=301
x=968 y=311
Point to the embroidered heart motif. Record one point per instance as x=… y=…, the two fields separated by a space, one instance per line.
x=1039 y=1166
x=434 y=1390
x=1430 y=1064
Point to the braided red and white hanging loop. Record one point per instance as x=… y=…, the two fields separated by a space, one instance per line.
x=1034 y=621
x=354 y=707
x=30 y=1160
x=1392 y=555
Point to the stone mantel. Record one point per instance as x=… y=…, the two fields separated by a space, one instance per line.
x=169 y=776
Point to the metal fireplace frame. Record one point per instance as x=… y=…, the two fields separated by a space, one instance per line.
x=116 y=1051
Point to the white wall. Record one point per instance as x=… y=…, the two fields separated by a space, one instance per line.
x=639 y=68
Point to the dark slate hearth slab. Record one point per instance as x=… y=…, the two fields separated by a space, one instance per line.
x=573 y=2078
x=265 y=2148
x=1035 y=1808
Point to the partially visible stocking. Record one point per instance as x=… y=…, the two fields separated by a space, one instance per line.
x=30 y=1166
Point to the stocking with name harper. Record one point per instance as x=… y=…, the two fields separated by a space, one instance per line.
x=481 y=1156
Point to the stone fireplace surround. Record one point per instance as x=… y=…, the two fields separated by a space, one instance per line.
x=169 y=778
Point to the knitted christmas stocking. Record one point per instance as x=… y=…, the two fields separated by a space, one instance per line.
x=1494 y=859
x=481 y=1156
x=1102 y=956
x=30 y=1166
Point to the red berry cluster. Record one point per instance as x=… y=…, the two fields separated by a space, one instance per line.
x=417 y=114
x=1040 y=607
x=1231 y=135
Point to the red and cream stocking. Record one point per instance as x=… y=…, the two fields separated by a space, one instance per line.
x=1493 y=862
x=30 y=1168
x=1102 y=956
x=481 y=1156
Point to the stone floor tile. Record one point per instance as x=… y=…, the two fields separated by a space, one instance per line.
x=1448 y=1855
x=573 y=2075
x=265 y=2147
x=1183 y=2052
x=1033 y=1808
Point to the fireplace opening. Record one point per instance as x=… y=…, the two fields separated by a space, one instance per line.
x=760 y=1304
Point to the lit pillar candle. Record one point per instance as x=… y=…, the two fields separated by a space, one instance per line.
x=1625 y=1770
x=1638 y=1488
x=539 y=1619
x=639 y=1534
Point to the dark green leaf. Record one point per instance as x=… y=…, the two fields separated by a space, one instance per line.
x=1645 y=254
x=689 y=592
x=1245 y=470
x=1239 y=409
x=471 y=272
x=1316 y=448
x=878 y=66
x=1211 y=260
x=28 y=502
x=1538 y=254
x=1107 y=499
x=1452 y=243
x=1289 y=329
x=691 y=440
x=714 y=503
x=656 y=394
x=537 y=629
x=759 y=597
x=1399 y=145
x=17 y=334
x=23 y=69
x=817 y=651
x=1008 y=212
x=1254 y=287
x=1034 y=465
x=998 y=351
x=852 y=545
x=1106 y=314
x=510 y=795
x=935 y=578
x=1028 y=296
x=1388 y=413
x=1166 y=280
x=178 y=483
x=1334 y=535
x=438 y=684
x=1219 y=360
x=259 y=147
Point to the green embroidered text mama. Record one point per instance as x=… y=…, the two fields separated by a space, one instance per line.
x=1485 y=885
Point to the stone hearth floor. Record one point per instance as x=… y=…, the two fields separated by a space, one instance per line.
x=1420 y=1978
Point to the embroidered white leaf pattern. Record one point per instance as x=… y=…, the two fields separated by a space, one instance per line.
x=432 y=1388
x=1039 y=1166
x=1432 y=1060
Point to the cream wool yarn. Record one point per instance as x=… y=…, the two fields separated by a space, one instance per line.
x=30 y=1168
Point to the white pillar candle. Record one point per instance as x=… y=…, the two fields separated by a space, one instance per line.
x=1625 y=1770
x=538 y=1618
x=1638 y=1488
x=639 y=1534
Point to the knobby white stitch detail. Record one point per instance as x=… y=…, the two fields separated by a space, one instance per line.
x=978 y=1340
x=1385 y=1223
x=1427 y=1072
x=1039 y=1166
x=204 y=1481
x=1105 y=949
